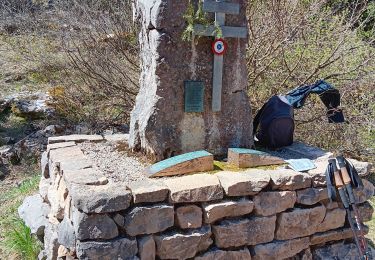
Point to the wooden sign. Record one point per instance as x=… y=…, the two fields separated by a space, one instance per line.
x=246 y=158
x=198 y=161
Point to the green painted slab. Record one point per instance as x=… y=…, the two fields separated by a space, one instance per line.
x=247 y=151
x=157 y=169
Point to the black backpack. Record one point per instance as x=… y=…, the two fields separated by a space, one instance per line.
x=276 y=123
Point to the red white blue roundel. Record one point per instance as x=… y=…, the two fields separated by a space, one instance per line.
x=219 y=47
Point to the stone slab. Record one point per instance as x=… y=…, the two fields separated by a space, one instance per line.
x=107 y=198
x=148 y=190
x=149 y=219
x=334 y=218
x=66 y=234
x=299 y=222
x=147 y=248
x=336 y=251
x=175 y=245
x=311 y=196
x=252 y=231
x=286 y=179
x=119 y=248
x=227 y=208
x=198 y=161
x=249 y=182
x=87 y=176
x=247 y=158
x=75 y=138
x=272 y=202
x=217 y=254
x=365 y=193
x=93 y=226
x=366 y=210
x=189 y=216
x=194 y=188
x=333 y=235
x=55 y=146
x=280 y=249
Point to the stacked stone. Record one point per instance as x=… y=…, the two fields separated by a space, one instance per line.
x=255 y=214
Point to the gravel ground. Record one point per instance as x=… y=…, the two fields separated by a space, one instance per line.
x=116 y=165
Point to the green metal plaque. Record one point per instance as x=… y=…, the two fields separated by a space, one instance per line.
x=194 y=96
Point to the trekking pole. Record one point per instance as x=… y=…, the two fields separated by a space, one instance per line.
x=344 y=199
x=348 y=182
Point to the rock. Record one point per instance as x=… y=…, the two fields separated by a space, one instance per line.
x=280 y=249
x=117 y=138
x=252 y=231
x=336 y=251
x=53 y=129
x=334 y=218
x=57 y=194
x=299 y=222
x=317 y=175
x=87 y=176
x=66 y=234
x=59 y=145
x=148 y=191
x=119 y=220
x=363 y=168
x=97 y=226
x=365 y=193
x=249 y=182
x=217 y=254
x=147 y=248
x=366 y=211
x=42 y=255
x=159 y=123
x=33 y=107
x=44 y=165
x=285 y=179
x=33 y=212
x=311 y=196
x=272 y=202
x=227 y=208
x=51 y=244
x=119 y=248
x=75 y=138
x=100 y=199
x=333 y=235
x=43 y=188
x=175 y=245
x=9 y=154
x=149 y=219
x=194 y=188
x=188 y=217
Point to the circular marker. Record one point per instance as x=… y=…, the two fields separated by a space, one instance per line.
x=219 y=47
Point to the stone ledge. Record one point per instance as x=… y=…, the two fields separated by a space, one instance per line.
x=75 y=138
x=194 y=188
x=249 y=182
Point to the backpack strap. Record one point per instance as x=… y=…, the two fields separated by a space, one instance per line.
x=330 y=183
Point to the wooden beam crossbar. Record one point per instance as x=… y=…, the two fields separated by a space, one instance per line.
x=228 y=31
x=220 y=7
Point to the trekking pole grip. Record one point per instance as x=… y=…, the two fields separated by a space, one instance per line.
x=339 y=184
x=346 y=177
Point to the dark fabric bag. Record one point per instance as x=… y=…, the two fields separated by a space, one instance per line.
x=274 y=123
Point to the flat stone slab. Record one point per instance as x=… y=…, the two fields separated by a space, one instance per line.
x=194 y=188
x=75 y=138
x=107 y=198
x=93 y=226
x=189 y=216
x=249 y=182
x=228 y=208
x=217 y=254
x=365 y=193
x=87 y=176
x=246 y=158
x=336 y=251
x=148 y=190
x=299 y=222
x=280 y=249
x=117 y=138
x=147 y=248
x=252 y=231
x=175 y=245
x=272 y=202
x=311 y=196
x=149 y=219
x=334 y=218
x=285 y=179
x=199 y=161
x=55 y=146
x=333 y=235
x=120 y=248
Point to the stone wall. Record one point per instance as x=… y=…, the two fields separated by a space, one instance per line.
x=255 y=214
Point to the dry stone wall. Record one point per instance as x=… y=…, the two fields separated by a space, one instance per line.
x=255 y=214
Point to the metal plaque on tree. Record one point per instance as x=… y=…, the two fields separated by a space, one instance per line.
x=194 y=96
